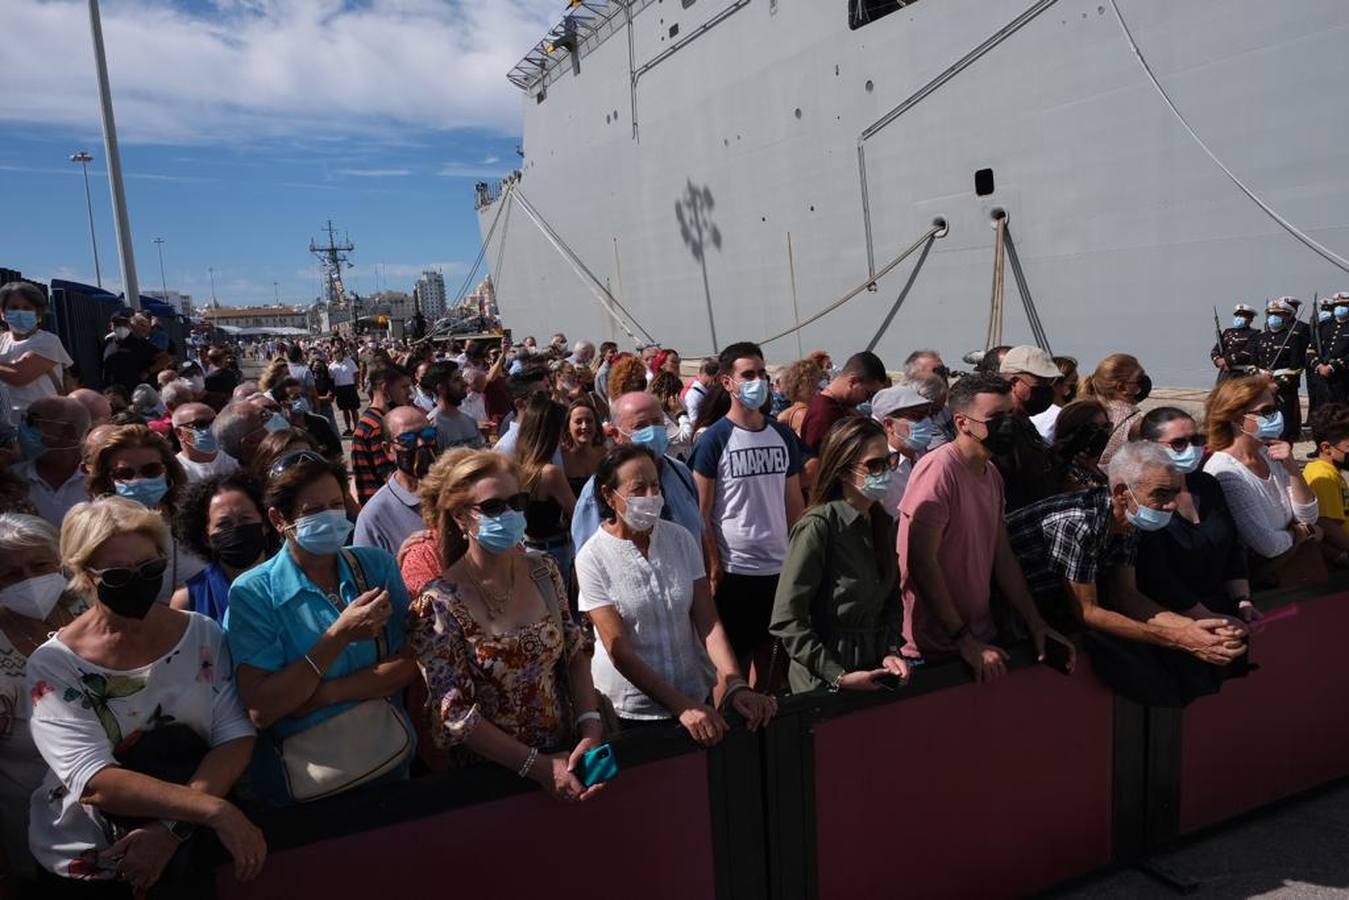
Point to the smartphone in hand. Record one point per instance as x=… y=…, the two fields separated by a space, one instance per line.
x=597 y=765
x=1058 y=655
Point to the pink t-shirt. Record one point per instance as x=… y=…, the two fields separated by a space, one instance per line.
x=943 y=493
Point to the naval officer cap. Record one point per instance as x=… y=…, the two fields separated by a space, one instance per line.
x=1242 y=309
x=1028 y=360
x=892 y=400
x=1281 y=304
x=1327 y=302
x=1342 y=296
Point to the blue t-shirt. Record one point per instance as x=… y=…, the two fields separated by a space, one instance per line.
x=676 y=486
x=749 y=509
x=276 y=614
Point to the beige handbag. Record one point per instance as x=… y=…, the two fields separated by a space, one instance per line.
x=364 y=743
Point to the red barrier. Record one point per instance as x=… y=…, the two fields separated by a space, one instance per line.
x=1281 y=730
x=985 y=791
x=646 y=835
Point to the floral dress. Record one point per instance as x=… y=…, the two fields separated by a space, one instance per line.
x=516 y=680
x=85 y=714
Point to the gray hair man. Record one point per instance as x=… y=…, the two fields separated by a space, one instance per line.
x=100 y=410
x=924 y=362
x=1087 y=541
x=240 y=428
x=583 y=353
x=201 y=456
x=176 y=393
x=394 y=512
x=52 y=437
x=637 y=418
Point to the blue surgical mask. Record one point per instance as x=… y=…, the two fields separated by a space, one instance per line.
x=754 y=393
x=921 y=433
x=276 y=422
x=1275 y=322
x=1323 y=316
x=204 y=441
x=1342 y=312
x=1270 y=427
x=1239 y=322
x=875 y=487
x=323 y=533
x=1145 y=518
x=21 y=321
x=864 y=408
x=145 y=491
x=300 y=406
x=1188 y=459
x=497 y=534
x=31 y=442
x=653 y=437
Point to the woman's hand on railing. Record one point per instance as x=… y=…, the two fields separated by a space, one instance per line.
x=241 y=838
x=704 y=724
x=756 y=708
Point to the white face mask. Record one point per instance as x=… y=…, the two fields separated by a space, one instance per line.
x=34 y=597
x=641 y=513
x=122 y=333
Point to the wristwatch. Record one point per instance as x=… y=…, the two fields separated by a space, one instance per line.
x=180 y=830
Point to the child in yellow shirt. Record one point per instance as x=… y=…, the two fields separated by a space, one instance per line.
x=1325 y=476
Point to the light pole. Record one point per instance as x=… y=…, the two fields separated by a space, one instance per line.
x=84 y=159
x=163 y=283
x=276 y=289
x=130 y=285
x=211 y=271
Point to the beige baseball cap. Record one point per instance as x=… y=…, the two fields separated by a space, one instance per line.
x=1029 y=360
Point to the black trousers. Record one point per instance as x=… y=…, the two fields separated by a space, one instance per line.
x=1319 y=392
x=1290 y=404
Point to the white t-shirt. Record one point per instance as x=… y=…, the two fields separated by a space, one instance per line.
x=301 y=373
x=474 y=406
x=223 y=464
x=654 y=596
x=46 y=345
x=1045 y=422
x=81 y=711
x=343 y=372
x=751 y=469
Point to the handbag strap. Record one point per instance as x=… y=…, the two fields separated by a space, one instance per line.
x=362 y=585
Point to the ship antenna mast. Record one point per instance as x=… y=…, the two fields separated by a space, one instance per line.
x=333 y=257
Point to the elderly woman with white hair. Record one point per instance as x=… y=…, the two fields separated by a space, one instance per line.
x=135 y=713
x=1078 y=549
x=33 y=604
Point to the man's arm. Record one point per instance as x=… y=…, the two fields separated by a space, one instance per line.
x=796 y=503
x=707 y=491
x=988 y=662
x=1011 y=581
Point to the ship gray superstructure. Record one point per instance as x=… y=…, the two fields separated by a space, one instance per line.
x=727 y=168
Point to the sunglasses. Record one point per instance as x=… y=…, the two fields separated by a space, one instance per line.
x=198 y=425
x=1179 y=444
x=121 y=576
x=881 y=464
x=1264 y=411
x=292 y=459
x=409 y=439
x=495 y=506
x=127 y=473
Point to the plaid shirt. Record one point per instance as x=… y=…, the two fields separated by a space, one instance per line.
x=1067 y=536
x=369 y=457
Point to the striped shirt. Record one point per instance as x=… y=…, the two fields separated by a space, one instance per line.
x=369 y=457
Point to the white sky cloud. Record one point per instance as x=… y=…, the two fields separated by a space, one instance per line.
x=259 y=69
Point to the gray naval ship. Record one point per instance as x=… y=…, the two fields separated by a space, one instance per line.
x=837 y=174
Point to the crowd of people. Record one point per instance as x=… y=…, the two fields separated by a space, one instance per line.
x=381 y=559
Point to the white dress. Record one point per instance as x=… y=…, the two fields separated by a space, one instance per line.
x=82 y=711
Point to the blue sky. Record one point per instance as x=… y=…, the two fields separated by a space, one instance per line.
x=246 y=124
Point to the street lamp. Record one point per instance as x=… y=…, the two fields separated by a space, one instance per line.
x=163 y=283
x=211 y=271
x=84 y=159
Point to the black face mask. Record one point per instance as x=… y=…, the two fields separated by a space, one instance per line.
x=416 y=461
x=133 y=599
x=1144 y=388
x=1041 y=398
x=1001 y=434
x=240 y=546
x=1090 y=442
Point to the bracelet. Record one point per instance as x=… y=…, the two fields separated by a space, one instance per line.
x=529 y=762
x=734 y=688
x=591 y=716
x=315 y=666
x=833 y=685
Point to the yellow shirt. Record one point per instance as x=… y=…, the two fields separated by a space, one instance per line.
x=1332 y=494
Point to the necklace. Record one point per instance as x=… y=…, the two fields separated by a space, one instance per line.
x=43 y=630
x=494 y=602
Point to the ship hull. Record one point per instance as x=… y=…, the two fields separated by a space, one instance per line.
x=737 y=206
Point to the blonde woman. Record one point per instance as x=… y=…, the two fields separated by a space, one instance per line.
x=507 y=669
x=800 y=383
x=135 y=714
x=1120 y=384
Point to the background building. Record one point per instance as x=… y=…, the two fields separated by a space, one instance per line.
x=430 y=293
x=256 y=316
x=179 y=301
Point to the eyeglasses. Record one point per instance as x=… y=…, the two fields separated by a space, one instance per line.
x=495 y=506
x=198 y=425
x=409 y=439
x=127 y=473
x=1179 y=444
x=881 y=464
x=121 y=576
x=1269 y=410
x=942 y=371
x=292 y=459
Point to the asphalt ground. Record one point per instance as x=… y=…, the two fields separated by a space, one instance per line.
x=1295 y=849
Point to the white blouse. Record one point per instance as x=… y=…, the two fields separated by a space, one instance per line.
x=1262 y=507
x=49 y=384
x=83 y=711
x=654 y=596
